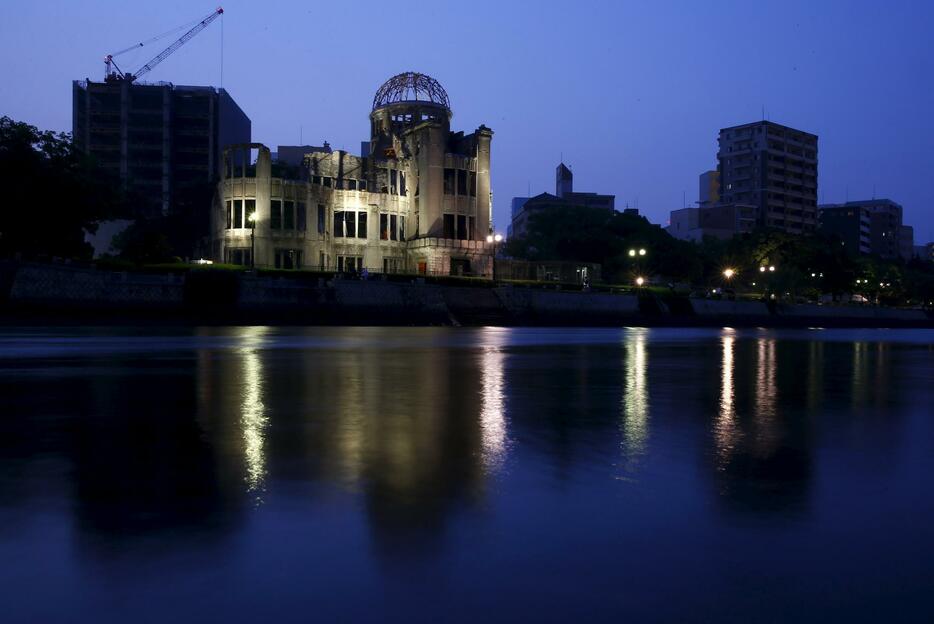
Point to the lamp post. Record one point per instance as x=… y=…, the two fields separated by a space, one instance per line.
x=494 y=238
x=252 y=219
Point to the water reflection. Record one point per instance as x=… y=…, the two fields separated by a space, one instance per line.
x=252 y=411
x=726 y=429
x=493 y=402
x=369 y=456
x=635 y=400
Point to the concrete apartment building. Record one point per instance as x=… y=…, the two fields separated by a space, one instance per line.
x=417 y=200
x=773 y=168
x=565 y=197
x=158 y=139
x=872 y=226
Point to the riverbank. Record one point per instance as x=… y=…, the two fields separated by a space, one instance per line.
x=62 y=294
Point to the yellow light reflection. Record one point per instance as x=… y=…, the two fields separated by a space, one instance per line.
x=493 y=404
x=252 y=411
x=635 y=402
x=726 y=431
x=766 y=393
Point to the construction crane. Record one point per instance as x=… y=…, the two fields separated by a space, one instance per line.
x=112 y=73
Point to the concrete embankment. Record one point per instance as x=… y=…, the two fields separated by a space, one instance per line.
x=39 y=293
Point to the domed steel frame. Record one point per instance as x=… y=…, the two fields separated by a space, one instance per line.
x=411 y=87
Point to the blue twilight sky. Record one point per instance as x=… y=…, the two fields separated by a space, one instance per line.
x=632 y=93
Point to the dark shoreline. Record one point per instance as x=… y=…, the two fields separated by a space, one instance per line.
x=34 y=294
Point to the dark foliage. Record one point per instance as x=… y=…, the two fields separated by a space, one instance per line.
x=53 y=194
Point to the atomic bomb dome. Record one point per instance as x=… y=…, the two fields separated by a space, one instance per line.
x=411 y=87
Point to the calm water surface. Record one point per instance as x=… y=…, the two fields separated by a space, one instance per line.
x=263 y=474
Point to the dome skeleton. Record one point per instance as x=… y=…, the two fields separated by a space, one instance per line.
x=411 y=87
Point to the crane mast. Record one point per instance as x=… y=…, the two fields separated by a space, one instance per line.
x=113 y=73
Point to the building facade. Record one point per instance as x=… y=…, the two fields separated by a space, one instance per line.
x=722 y=221
x=158 y=139
x=773 y=168
x=418 y=200
x=872 y=226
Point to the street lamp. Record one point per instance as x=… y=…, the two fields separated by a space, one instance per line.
x=252 y=219
x=494 y=239
x=729 y=273
x=640 y=281
x=634 y=252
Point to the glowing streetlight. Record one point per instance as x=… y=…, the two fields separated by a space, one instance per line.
x=632 y=253
x=493 y=239
x=252 y=219
x=640 y=281
x=761 y=269
x=772 y=269
x=729 y=273
x=642 y=252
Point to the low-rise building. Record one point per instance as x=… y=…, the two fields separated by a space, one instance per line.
x=721 y=221
x=565 y=198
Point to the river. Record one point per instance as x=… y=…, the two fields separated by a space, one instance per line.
x=476 y=475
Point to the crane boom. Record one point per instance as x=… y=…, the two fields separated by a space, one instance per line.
x=130 y=77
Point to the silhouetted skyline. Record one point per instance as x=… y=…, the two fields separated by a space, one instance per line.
x=632 y=96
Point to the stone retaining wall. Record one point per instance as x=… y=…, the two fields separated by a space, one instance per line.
x=203 y=295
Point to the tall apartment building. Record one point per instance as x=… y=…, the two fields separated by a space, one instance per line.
x=773 y=168
x=159 y=139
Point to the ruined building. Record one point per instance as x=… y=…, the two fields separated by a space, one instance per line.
x=417 y=199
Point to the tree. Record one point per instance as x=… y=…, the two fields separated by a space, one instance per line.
x=53 y=193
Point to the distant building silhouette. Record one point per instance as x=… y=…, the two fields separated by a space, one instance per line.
x=872 y=226
x=565 y=197
x=710 y=218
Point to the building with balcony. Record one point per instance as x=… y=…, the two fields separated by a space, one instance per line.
x=417 y=200
x=773 y=168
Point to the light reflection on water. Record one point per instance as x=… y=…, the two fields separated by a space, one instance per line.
x=635 y=398
x=253 y=417
x=726 y=430
x=374 y=453
x=493 y=400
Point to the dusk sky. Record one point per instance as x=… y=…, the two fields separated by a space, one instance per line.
x=631 y=93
